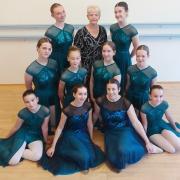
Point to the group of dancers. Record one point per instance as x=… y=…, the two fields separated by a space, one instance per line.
x=72 y=88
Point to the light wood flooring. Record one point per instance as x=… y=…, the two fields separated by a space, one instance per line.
x=152 y=167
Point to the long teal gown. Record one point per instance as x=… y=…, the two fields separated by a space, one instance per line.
x=122 y=37
x=123 y=145
x=61 y=41
x=154 y=115
x=45 y=81
x=71 y=79
x=29 y=132
x=74 y=150
x=102 y=74
x=140 y=83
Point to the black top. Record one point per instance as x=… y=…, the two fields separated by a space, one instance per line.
x=90 y=46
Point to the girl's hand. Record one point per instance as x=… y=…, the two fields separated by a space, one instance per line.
x=50 y=151
x=150 y=147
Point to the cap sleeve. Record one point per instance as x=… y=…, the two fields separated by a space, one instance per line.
x=46 y=111
x=66 y=110
x=87 y=106
x=133 y=31
x=165 y=105
x=29 y=70
x=144 y=108
x=116 y=71
x=22 y=114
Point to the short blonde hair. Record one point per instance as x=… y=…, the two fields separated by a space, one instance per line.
x=93 y=8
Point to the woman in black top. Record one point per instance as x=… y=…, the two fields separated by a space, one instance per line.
x=90 y=39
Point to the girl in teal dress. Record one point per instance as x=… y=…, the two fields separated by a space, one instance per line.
x=123 y=35
x=25 y=140
x=61 y=35
x=42 y=75
x=163 y=134
x=125 y=139
x=72 y=149
x=72 y=76
x=140 y=77
x=102 y=71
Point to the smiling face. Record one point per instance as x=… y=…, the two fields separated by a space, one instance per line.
x=44 y=50
x=107 y=53
x=93 y=16
x=120 y=14
x=59 y=14
x=141 y=57
x=81 y=95
x=156 y=96
x=74 y=59
x=112 y=91
x=31 y=102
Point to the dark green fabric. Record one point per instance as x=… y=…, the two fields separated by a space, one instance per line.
x=45 y=80
x=154 y=117
x=102 y=74
x=74 y=150
x=71 y=79
x=140 y=83
x=122 y=37
x=30 y=131
x=61 y=41
x=122 y=144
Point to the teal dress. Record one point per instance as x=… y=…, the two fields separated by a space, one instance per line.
x=45 y=81
x=29 y=132
x=61 y=40
x=102 y=74
x=123 y=145
x=71 y=79
x=140 y=83
x=122 y=37
x=74 y=150
x=154 y=118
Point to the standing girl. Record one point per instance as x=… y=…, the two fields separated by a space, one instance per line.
x=72 y=149
x=102 y=72
x=140 y=77
x=125 y=139
x=123 y=34
x=43 y=75
x=25 y=140
x=61 y=35
x=163 y=134
x=72 y=76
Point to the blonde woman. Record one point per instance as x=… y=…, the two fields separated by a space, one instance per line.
x=90 y=39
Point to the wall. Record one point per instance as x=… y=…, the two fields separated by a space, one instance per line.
x=37 y=11
x=22 y=23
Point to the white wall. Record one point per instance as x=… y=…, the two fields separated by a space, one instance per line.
x=158 y=24
x=37 y=11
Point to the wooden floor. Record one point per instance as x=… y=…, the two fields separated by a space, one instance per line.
x=151 y=167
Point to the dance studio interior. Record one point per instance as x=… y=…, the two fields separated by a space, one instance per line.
x=76 y=45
